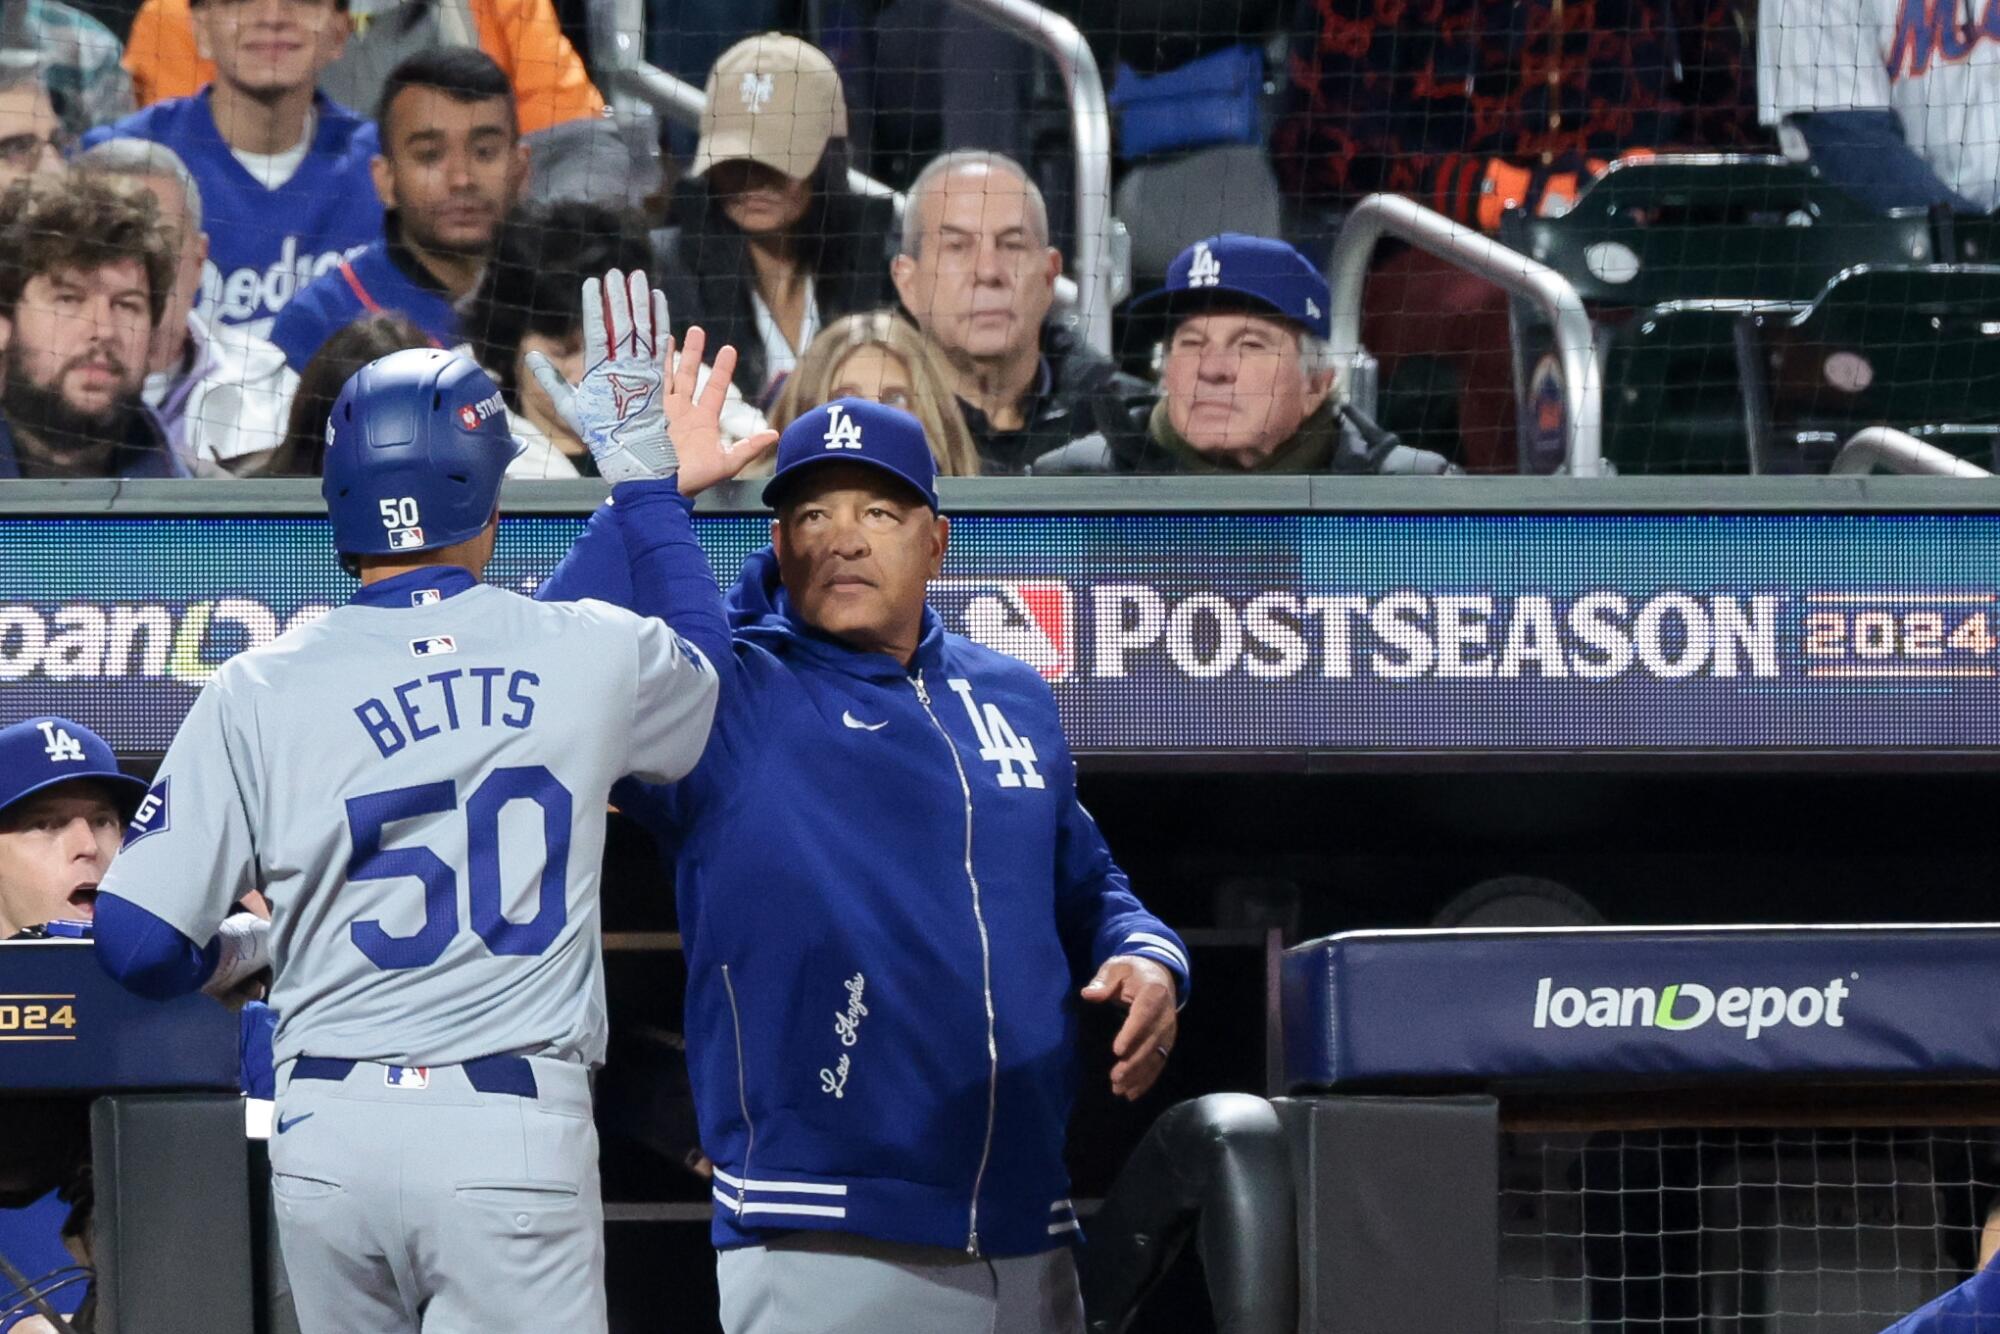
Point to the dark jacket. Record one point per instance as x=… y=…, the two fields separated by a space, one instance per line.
x=142 y=453
x=1332 y=440
x=705 y=269
x=889 y=896
x=1078 y=393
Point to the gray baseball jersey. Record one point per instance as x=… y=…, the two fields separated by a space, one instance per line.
x=420 y=791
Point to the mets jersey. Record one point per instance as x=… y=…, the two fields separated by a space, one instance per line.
x=1936 y=63
x=418 y=782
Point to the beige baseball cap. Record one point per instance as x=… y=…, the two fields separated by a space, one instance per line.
x=771 y=99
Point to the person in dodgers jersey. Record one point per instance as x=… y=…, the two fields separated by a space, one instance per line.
x=417 y=782
x=1896 y=101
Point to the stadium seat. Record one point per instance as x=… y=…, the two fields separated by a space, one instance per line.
x=1913 y=348
x=1669 y=253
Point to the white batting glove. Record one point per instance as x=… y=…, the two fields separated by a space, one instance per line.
x=618 y=411
x=245 y=952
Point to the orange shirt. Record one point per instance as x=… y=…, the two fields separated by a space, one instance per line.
x=523 y=37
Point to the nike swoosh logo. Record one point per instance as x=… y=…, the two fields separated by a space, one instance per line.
x=283 y=1126
x=860 y=726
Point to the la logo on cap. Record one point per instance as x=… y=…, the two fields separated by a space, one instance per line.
x=842 y=431
x=1205 y=270
x=756 y=90
x=59 y=745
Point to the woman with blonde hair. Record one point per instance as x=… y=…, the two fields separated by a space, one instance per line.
x=878 y=355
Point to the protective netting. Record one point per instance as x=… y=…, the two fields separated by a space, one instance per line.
x=1773 y=222
x=1721 y=1231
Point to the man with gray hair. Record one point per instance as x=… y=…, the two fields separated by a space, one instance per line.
x=1248 y=379
x=31 y=136
x=978 y=275
x=220 y=393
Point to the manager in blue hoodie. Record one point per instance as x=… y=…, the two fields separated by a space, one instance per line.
x=892 y=904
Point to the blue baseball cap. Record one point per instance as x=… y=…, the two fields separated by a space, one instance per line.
x=1261 y=272
x=856 y=430
x=42 y=752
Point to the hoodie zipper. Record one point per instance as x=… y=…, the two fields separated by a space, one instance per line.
x=986 y=972
x=742 y=1093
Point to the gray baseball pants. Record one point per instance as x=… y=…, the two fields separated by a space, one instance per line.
x=449 y=1208
x=835 y=1283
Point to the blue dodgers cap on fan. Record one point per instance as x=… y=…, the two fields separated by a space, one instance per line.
x=42 y=752
x=1262 y=272
x=856 y=430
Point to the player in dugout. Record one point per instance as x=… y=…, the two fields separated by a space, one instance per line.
x=434 y=941
x=892 y=904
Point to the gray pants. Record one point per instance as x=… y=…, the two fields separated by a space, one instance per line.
x=833 y=1283
x=441 y=1208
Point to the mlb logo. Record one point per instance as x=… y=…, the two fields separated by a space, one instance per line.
x=1030 y=619
x=405 y=539
x=425 y=597
x=407 y=1076
x=431 y=647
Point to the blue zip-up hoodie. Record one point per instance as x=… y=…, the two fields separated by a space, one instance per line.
x=887 y=910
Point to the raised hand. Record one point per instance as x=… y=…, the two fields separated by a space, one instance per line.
x=694 y=413
x=637 y=420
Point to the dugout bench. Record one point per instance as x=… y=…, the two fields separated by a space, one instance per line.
x=1779 y=1130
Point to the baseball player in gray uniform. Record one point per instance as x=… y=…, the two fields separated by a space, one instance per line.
x=418 y=783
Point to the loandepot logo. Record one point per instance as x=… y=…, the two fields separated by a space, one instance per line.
x=1685 y=1005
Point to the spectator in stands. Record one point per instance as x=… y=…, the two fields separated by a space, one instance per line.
x=451 y=167
x=76 y=58
x=347 y=351
x=283 y=170
x=219 y=391
x=524 y=38
x=31 y=138
x=85 y=272
x=1475 y=108
x=978 y=274
x=772 y=243
x=1248 y=381
x=63 y=807
x=527 y=303
x=304 y=450
x=878 y=355
x=1896 y=104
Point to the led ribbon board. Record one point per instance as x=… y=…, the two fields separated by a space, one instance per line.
x=1387 y=633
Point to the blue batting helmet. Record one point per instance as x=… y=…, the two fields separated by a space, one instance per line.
x=415 y=450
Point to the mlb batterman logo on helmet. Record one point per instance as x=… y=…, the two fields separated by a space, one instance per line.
x=416 y=448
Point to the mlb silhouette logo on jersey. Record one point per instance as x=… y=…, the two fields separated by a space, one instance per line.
x=406 y=1076
x=1030 y=619
x=842 y=431
x=59 y=745
x=434 y=645
x=1204 y=270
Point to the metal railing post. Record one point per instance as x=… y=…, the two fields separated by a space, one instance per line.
x=1090 y=124
x=1576 y=350
x=1899 y=452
